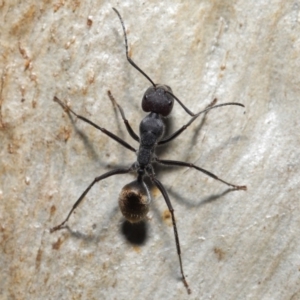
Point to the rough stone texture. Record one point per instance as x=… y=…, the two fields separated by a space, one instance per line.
x=235 y=245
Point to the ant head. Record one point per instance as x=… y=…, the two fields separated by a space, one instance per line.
x=157 y=99
x=134 y=201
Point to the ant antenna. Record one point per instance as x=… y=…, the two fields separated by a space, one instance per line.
x=182 y=105
x=126 y=47
x=219 y=105
x=155 y=85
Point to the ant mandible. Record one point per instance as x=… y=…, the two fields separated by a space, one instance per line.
x=134 y=198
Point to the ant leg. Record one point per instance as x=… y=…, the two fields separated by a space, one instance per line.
x=168 y=202
x=189 y=165
x=103 y=176
x=184 y=127
x=129 y=128
x=110 y=134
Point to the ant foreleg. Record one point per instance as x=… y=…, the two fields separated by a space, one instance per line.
x=129 y=128
x=110 y=134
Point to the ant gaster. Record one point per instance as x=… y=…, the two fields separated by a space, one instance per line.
x=134 y=198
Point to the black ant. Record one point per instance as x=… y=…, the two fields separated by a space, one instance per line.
x=134 y=198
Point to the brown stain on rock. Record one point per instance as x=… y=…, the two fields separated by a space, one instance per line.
x=38 y=258
x=167 y=217
x=57 y=244
x=219 y=253
x=89 y=21
x=52 y=210
x=22 y=26
x=137 y=249
x=64 y=134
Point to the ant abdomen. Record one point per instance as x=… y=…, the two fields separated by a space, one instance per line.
x=158 y=99
x=134 y=201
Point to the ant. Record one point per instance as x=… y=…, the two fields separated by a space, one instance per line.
x=134 y=198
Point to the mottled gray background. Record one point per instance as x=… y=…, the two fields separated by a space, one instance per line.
x=236 y=245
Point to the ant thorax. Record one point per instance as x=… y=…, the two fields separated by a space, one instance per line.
x=151 y=131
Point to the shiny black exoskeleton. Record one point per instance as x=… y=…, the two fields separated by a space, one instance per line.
x=134 y=198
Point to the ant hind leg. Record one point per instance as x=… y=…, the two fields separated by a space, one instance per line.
x=97 y=179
